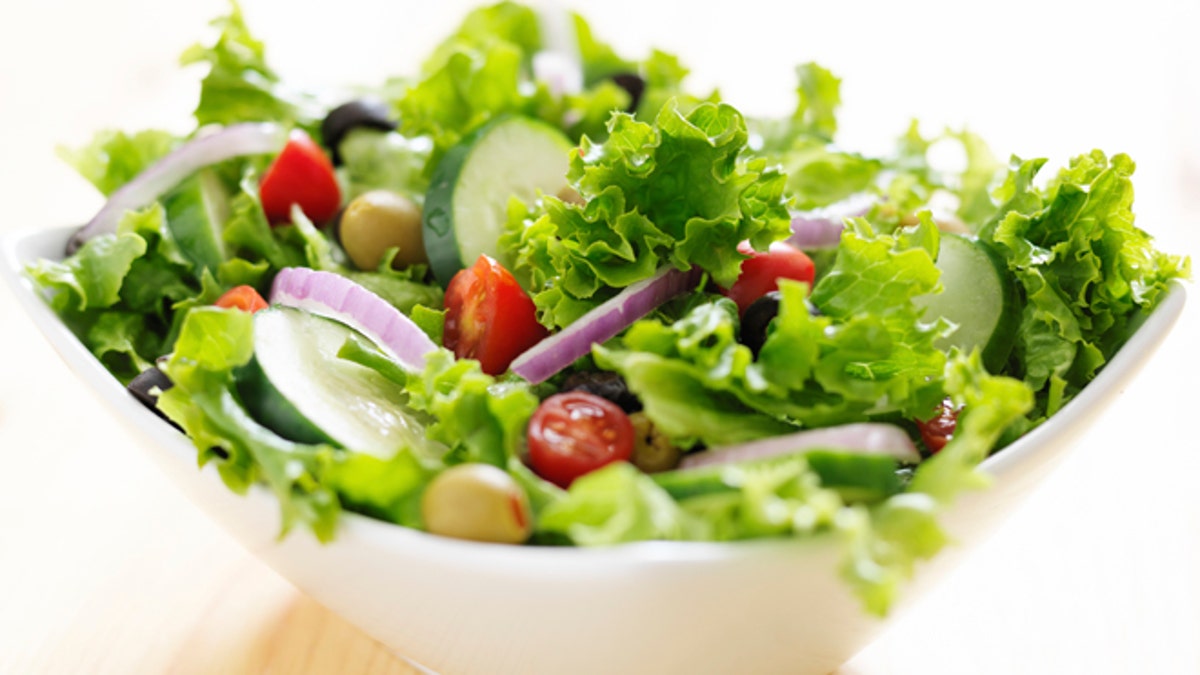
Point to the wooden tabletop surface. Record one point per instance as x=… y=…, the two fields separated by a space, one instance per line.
x=105 y=568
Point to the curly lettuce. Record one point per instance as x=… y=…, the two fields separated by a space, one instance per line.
x=1086 y=273
x=869 y=353
x=673 y=193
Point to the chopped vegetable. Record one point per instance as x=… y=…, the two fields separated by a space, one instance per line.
x=762 y=270
x=339 y=298
x=243 y=297
x=303 y=175
x=489 y=317
x=596 y=327
x=575 y=433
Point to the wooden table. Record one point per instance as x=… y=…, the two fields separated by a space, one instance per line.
x=105 y=568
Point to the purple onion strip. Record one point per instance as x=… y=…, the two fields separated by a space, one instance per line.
x=601 y=324
x=866 y=438
x=822 y=228
x=251 y=138
x=339 y=298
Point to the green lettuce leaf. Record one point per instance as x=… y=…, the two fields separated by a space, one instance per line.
x=480 y=418
x=213 y=343
x=869 y=354
x=618 y=504
x=239 y=85
x=886 y=541
x=373 y=160
x=1086 y=272
x=118 y=291
x=675 y=192
x=113 y=158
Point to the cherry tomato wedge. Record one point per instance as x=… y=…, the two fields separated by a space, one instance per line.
x=574 y=433
x=243 y=297
x=303 y=175
x=762 y=271
x=489 y=317
x=939 y=429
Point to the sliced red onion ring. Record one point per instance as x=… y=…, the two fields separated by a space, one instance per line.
x=341 y=299
x=601 y=324
x=251 y=138
x=822 y=228
x=866 y=438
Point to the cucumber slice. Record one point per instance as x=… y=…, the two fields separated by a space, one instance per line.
x=196 y=213
x=979 y=296
x=466 y=207
x=298 y=387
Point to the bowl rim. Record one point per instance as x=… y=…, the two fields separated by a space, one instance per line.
x=23 y=246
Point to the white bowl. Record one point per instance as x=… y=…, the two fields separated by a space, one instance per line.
x=460 y=607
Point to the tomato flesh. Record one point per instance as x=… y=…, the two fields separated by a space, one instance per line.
x=762 y=271
x=939 y=429
x=303 y=175
x=575 y=433
x=242 y=297
x=489 y=317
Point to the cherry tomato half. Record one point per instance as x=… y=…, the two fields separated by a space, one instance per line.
x=489 y=317
x=574 y=433
x=242 y=297
x=939 y=429
x=303 y=175
x=762 y=271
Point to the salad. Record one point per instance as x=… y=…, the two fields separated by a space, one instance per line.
x=542 y=293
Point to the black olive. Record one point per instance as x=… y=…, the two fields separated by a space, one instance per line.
x=757 y=318
x=606 y=385
x=146 y=380
x=632 y=83
x=368 y=113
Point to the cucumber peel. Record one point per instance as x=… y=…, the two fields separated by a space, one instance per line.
x=297 y=386
x=979 y=296
x=466 y=206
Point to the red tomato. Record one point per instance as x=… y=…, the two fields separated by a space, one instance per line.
x=303 y=175
x=939 y=429
x=762 y=271
x=244 y=298
x=574 y=433
x=489 y=317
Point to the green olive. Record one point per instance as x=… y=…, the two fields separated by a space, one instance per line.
x=478 y=502
x=378 y=220
x=652 y=451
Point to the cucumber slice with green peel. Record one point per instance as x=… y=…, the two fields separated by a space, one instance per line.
x=196 y=214
x=979 y=296
x=466 y=206
x=298 y=387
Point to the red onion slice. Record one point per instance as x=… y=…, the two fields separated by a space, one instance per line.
x=334 y=296
x=601 y=324
x=238 y=140
x=822 y=228
x=866 y=438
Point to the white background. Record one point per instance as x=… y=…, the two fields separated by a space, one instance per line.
x=1096 y=573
